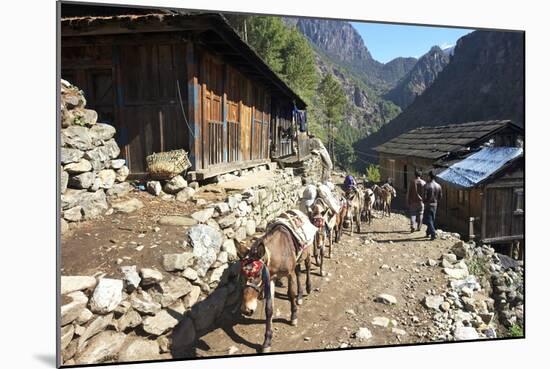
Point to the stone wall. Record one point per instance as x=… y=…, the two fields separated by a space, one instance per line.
x=147 y=314
x=90 y=170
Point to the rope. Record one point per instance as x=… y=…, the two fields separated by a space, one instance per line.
x=182 y=109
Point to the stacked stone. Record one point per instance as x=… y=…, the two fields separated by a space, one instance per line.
x=90 y=169
x=177 y=304
x=467 y=309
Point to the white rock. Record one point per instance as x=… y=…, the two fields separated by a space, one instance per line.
x=102 y=347
x=206 y=242
x=175 y=185
x=150 y=276
x=465 y=333
x=159 y=323
x=190 y=274
x=433 y=302
x=185 y=194
x=203 y=215
x=76 y=283
x=456 y=273
x=97 y=325
x=139 y=349
x=363 y=334
x=172 y=262
x=131 y=277
x=81 y=166
x=229 y=247
x=143 y=302
x=192 y=297
x=71 y=310
x=386 y=299
x=154 y=188
x=127 y=206
x=381 y=321
x=107 y=295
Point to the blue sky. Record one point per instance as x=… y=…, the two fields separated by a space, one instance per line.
x=388 y=41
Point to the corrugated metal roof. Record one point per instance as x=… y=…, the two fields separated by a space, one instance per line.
x=479 y=166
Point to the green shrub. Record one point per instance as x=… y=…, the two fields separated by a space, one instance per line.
x=373 y=173
x=515 y=331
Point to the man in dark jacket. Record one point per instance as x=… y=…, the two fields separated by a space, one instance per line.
x=432 y=196
x=414 y=200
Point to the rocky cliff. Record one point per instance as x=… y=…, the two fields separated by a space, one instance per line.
x=419 y=78
x=483 y=80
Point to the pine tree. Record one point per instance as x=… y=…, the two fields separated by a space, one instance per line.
x=333 y=102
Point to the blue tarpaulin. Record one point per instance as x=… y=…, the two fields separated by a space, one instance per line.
x=475 y=168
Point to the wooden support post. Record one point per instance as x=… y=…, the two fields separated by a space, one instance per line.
x=225 y=144
x=193 y=107
x=471 y=233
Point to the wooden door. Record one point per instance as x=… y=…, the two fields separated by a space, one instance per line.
x=212 y=111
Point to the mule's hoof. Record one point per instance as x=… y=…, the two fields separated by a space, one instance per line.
x=266 y=349
x=299 y=301
x=294 y=322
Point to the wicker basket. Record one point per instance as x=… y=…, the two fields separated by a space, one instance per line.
x=166 y=165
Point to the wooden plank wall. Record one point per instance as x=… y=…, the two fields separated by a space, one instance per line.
x=132 y=84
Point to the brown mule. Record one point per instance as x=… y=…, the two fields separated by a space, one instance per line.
x=270 y=257
x=354 y=200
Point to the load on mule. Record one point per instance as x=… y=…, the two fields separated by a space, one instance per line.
x=277 y=254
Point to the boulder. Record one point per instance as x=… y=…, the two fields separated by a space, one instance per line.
x=130 y=320
x=139 y=349
x=67 y=333
x=222 y=208
x=190 y=273
x=119 y=189
x=206 y=242
x=84 y=317
x=71 y=310
x=172 y=262
x=205 y=313
x=63 y=180
x=130 y=277
x=78 y=167
x=64 y=226
x=69 y=155
x=204 y=215
x=363 y=334
x=107 y=178
x=102 y=131
x=465 y=333
x=433 y=302
x=73 y=214
x=76 y=283
x=77 y=137
x=107 y=295
x=381 y=321
x=150 y=276
x=217 y=273
x=176 y=220
x=185 y=194
x=122 y=174
x=229 y=247
x=250 y=227
x=240 y=234
x=154 y=188
x=227 y=221
x=127 y=206
x=192 y=297
x=97 y=325
x=175 y=185
x=456 y=273
x=93 y=204
x=386 y=299
x=461 y=250
x=101 y=348
x=173 y=290
x=83 y=180
x=112 y=149
x=144 y=303
x=160 y=322
x=116 y=163
x=97 y=157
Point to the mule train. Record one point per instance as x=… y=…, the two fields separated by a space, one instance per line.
x=295 y=236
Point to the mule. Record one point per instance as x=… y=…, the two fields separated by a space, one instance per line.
x=318 y=216
x=354 y=202
x=378 y=195
x=274 y=256
x=388 y=193
x=368 y=204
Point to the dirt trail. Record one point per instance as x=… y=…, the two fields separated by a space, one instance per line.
x=343 y=301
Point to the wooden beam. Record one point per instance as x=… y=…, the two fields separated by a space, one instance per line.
x=216 y=170
x=503 y=239
x=193 y=107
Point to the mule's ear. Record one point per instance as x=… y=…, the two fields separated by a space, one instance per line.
x=260 y=250
x=242 y=249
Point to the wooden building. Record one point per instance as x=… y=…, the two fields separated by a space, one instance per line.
x=484 y=195
x=172 y=80
x=423 y=147
x=485 y=210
